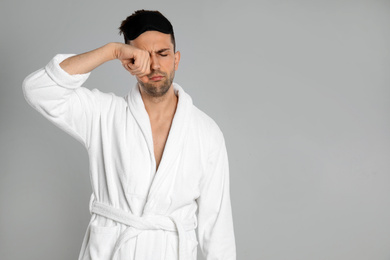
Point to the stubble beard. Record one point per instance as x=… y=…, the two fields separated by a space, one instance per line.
x=158 y=89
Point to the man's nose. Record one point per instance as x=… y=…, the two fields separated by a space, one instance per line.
x=154 y=63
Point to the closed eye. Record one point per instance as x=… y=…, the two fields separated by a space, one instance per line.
x=163 y=52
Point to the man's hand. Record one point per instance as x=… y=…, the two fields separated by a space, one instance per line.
x=134 y=60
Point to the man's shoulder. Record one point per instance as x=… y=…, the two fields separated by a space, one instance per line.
x=206 y=124
x=199 y=119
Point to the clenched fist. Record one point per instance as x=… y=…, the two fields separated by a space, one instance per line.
x=134 y=60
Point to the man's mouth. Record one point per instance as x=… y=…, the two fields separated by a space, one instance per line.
x=156 y=77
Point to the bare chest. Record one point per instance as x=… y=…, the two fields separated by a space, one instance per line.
x=160 y=132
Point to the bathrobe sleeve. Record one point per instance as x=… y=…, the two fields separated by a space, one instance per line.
x=215 y=221
x=60 y=98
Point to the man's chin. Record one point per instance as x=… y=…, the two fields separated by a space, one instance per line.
x=156 y=89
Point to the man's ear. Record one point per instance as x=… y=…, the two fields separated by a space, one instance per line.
x=177 y=59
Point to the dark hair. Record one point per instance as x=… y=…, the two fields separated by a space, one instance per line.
x=127 y=25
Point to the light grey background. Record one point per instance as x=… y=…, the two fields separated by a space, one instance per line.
x=299 y=88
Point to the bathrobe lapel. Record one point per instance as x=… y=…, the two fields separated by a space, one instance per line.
x=176 y=138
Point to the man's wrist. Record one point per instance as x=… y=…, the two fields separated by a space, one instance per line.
x=113 y=49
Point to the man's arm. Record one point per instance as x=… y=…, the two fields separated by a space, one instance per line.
x=215 y=220
x=86 y=62
x=56 y=90
x=134 y=60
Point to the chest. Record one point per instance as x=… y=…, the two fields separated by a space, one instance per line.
x=160 y=133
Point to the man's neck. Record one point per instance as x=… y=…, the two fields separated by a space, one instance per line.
x=160 y=108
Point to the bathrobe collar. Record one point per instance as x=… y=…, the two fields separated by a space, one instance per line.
x=176 y=138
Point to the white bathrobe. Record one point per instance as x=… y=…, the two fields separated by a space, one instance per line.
x=136 y=212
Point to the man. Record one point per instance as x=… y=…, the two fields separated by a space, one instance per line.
x=158 y=165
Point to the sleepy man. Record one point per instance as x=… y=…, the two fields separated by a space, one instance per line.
x=158 y=165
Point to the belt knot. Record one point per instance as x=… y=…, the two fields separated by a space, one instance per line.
x=135 y=225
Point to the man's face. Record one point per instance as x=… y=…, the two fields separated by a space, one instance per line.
x=163 y=61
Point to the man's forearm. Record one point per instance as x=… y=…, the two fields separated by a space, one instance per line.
x=88 y=61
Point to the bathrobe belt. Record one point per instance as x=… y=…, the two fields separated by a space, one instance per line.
x=138 y=224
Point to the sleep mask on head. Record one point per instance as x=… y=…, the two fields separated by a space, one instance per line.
x=148 y=21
